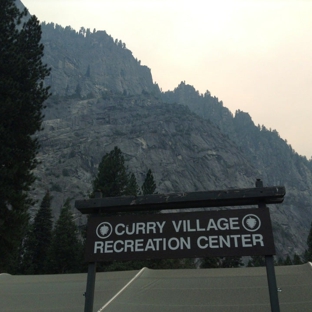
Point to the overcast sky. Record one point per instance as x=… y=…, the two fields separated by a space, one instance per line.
x=254 y=55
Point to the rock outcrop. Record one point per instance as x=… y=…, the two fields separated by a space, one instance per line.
x=89 y=63
x=275 y=160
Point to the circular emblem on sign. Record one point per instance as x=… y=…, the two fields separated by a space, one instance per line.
x=251 y=222
x=104 y=230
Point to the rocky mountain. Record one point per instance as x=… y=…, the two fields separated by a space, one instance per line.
x=88 y=63
x=103 y=97
x=275 y=160
x=184 y=151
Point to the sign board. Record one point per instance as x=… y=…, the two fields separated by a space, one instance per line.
x=243 y=232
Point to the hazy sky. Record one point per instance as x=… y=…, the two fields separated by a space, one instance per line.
x=254 y=55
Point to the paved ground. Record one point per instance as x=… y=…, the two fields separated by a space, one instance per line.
x=213 y=290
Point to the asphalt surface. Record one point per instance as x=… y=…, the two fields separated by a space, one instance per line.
x=213 y=290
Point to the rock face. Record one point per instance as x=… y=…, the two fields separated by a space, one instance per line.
x=184 y=152
x=277 y=163
x=88 y=63
x=103 y=97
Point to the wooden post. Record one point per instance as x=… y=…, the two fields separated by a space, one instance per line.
x=90 y=287
x=269 y=263
x=89 y=300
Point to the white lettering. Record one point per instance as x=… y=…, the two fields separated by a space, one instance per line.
x=257 y=238
x=224 y=241
x=213 y=242
x=198 y=226
x=212 y=224
x=199 y=242
x=150 y=227
x=149 y=245
x=108 y=247
x=130 y=229
x=117 y=229
x=235 y=240
x=98 y=246
x=234 y=223
x=161 y=226
x=115 y=246
x=189 y=229
x=140 y=227
x=129 y=244
x=164 y=244
x=224 y=225
x=230 y=241
x=139 y=245
x=246 y=240
x=177 y=226
x=158 y=240
x=187 y=243
x=184 y=226
x=173 y=243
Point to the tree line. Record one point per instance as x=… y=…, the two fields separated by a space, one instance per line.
x=59 y=249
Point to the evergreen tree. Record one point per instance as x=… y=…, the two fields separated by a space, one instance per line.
x=36 y=244
x=22 y=94
x=287 y=261
x=24 y=263
x=42 y=230
x=221 y=262
x=154 y=264
x=209 y=262
x=308 y=252
x=230 y=262
x=256 y=261
x=112 y=178
x=280 y=261
x=132 y=187
x=296 y=260
x=149 y=185
x=66 y=248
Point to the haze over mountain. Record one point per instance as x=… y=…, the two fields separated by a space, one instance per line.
x=103 y=97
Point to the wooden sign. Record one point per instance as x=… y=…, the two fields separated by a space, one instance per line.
x=243 y=232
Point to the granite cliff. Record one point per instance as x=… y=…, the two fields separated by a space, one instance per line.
x=89 y=63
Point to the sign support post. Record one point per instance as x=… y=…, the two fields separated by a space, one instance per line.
x=90 y=287
x=89 y=294
x=269 y=263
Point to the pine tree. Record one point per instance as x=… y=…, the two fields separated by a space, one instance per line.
x=149 y=185
x=24 y=263
x=256 y=261
x=36 y=244
x=209 y=262
x=296 y=260
x=42 y=230
x=66 y=248
x=112 y=178
x=280 y=261
x=308 y=252
x=22 y=94
x=230 y=262
x=132 y=187
x=287 y=261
